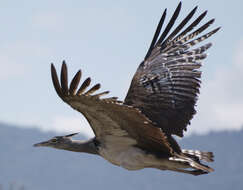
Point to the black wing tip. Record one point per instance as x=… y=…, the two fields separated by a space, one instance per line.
x=156 y=34
x=194 y=9
x=55 y=81
x=93 y=89
x=179 y=6
x=53 y=67
x=168 y=27
x=62 y=88
x=79 y=72
x=212 y=21
x=170 y=24
x=214 y=31
x=205 y=12
x=88 y=80
x=201 y=16
x=217 y=29
x=64 y=78
x=64 y=66
x=84 y=85
x=75 y=82
x=98 y=85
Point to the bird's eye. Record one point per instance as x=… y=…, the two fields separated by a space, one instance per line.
x=53 y=140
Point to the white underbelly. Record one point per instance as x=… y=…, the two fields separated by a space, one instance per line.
x=134 y=158
x=121 y=151
x=131 y=158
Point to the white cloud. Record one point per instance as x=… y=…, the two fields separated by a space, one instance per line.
x=220 y=105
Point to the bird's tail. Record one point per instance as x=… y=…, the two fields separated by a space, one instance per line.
x=198 y=155
x=200 y=166
x=193 y=158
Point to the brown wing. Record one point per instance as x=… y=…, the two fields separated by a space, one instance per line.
x=166 y=84
x=109 y=117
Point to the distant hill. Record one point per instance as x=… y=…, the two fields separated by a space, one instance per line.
x=46 y=168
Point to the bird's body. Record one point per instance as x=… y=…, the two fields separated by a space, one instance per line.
x=137 y=133
x=135 y=158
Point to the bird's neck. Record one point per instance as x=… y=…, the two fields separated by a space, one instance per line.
x=81 y=146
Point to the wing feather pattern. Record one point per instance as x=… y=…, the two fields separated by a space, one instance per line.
x=74 y=84
x=166 y=84
x=110 y=117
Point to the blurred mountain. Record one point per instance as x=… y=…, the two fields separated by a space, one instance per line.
x=22 y=165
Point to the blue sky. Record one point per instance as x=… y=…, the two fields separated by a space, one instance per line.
x=108 y=40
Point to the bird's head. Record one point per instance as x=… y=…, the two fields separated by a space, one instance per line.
x=56 y=142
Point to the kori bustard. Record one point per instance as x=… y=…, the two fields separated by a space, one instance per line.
x=137 y=133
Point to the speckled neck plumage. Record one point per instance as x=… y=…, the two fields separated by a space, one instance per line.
x=81 y=146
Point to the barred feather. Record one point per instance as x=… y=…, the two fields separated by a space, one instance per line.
x=92 y=90
x=74 y=84
x=205 y=156
x=100 y=94
x=64 y=79
x=188 y=29
x=63 y=91
x=166 y=84
x=85 y=85
x=182 y=45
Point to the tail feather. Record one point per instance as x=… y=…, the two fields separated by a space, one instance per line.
x=199 y=155
x=192 y=161
x=200 y=166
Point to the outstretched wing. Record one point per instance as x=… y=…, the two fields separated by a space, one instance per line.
x=166 y=84
x=108 y=117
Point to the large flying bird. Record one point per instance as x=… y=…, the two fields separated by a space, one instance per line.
x=138 y=132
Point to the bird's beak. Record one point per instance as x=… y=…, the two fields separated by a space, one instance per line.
x=40 y=144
